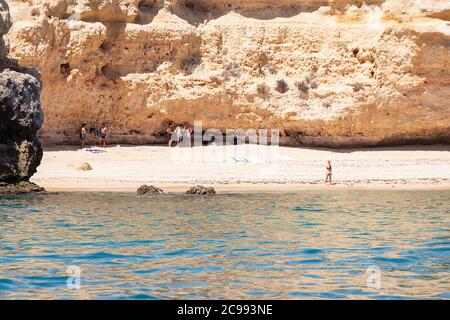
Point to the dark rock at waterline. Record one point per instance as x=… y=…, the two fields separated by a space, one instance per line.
x=22 y=187
x=201 y=190
x=149 y=191
x=20 y=119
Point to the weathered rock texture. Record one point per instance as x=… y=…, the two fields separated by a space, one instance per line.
x=20 y=118
x=324 y=72
x=149 y=191
x=201 y=190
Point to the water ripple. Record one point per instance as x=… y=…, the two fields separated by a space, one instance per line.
x=308 y=245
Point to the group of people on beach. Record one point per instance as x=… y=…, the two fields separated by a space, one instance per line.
x=180 y=135
x=177 y=136
x=100 y=134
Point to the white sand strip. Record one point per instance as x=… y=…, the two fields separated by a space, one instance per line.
x=245 y=168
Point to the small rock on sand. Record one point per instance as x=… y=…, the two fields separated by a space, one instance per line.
x=82 y=166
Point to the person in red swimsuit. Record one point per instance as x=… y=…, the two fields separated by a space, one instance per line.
x=103 y=135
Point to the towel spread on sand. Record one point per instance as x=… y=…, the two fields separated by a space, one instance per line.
x=95 y=150
x=240 y=159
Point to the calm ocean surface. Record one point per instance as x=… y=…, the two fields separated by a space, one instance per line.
x=305 y=245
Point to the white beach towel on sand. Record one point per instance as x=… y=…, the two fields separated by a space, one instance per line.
x=95 y=150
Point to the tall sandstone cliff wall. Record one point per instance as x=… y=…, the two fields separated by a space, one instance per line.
x=324 y=72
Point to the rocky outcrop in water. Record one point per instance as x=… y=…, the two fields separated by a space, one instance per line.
x=201 y=190
x=21 y=187
x=149 y=191
x=20 y=119
x=324 y=72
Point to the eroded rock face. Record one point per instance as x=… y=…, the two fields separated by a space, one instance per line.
x=324 y=72
x=20 y=118
x=5 y=24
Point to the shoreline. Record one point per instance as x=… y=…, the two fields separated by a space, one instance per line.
x=243 y=188
x=243 y=169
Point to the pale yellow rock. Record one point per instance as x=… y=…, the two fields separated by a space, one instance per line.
x=358 y=72
x=81 y=166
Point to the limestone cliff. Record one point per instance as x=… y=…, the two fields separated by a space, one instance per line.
x=20 y=118
x=324 y=72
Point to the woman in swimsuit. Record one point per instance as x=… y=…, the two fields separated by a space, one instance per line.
x=329 y=172
x=103 y=135
x=82 y=132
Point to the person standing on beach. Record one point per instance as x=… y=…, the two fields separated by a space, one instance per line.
x=103 y=135
x=179 y=133
x=173 y=137
x=329 y=172
x=82 y=132
x=187 y=133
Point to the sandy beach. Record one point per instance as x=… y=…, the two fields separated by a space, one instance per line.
x=245 y=168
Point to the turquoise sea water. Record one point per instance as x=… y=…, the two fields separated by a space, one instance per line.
x=305 y=245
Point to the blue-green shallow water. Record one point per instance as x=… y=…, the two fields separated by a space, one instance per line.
x=306 y=245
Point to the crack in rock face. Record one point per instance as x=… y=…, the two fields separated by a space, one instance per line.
x=20 y=119
x=333 y=73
